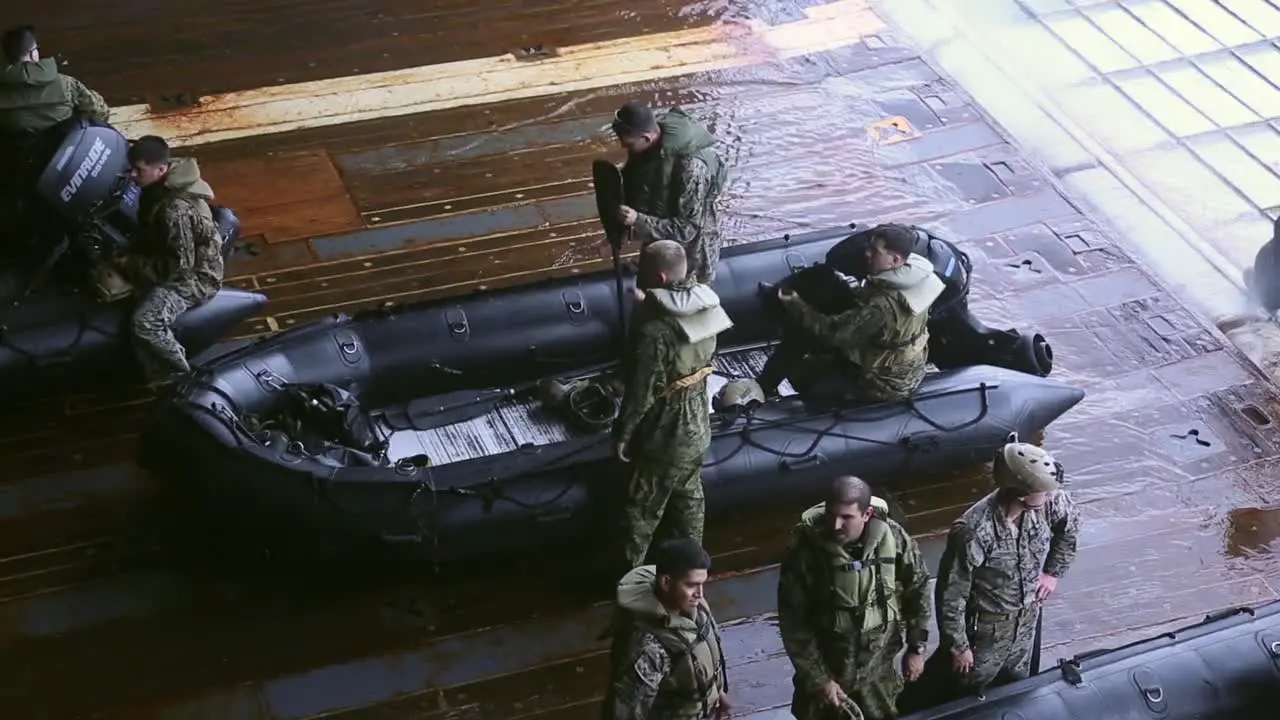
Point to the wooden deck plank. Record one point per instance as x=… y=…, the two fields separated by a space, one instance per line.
x=284 y=197
x=117 y=52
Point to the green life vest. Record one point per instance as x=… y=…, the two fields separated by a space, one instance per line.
x=647 y=178
x=862 y=595
x=32 y=97
x=694 y=685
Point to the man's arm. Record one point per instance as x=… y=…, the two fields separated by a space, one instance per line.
x=849 y=329
x=685 y=225
x=182 y=226
x=636 y=679
x=646 y=378
x=955 y=581
x=1064 y=522
x=913 y=573
x=86 y=101
x=798 y=638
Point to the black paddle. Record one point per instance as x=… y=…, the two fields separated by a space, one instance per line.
x=608 y=183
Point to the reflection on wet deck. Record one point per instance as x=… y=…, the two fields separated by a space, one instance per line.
x=1175 y=452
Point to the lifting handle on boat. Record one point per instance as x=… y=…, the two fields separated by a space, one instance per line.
x=456 y=319
x=798 y=463
x=984 y=390
x=1152 y=693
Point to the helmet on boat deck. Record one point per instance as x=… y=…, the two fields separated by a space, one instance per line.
x=589 y=404
x=745 y=394
x=1026 y=468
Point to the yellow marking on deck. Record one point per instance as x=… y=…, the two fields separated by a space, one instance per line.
x=891 y=130
x=482 y=81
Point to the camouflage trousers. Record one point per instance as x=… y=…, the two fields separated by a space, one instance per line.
x=865 y=669
x=1002 y=648
x=158 y=351
x=661 y=495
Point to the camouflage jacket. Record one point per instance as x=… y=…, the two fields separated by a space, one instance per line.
x=674 y=189
x=992 y=566
x=806 y=600
x=664 y=666
x=883 y=339
x=672 y=337
x=179 y=246
x=34 y=96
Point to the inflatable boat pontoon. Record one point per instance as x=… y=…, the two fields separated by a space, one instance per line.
x=487 y=471
x=1226 y=667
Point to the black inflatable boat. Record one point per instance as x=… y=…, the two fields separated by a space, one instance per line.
x=483 y=471
x=52 y=331
x=558 y=326
x=1226 y=667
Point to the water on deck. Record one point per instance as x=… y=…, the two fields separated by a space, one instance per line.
x=1173 y=453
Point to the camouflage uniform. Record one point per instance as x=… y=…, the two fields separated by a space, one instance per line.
x=674 y=188
x=842 y=611
x=986 y=591
x=177 y=266
x=880 y=345
x=34 y=97
x=663 y=666
x=665 y=415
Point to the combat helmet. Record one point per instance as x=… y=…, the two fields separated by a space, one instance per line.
x=587 y=404
x=1026 y=468
x=744 y=394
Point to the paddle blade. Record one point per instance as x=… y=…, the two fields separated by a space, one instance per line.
x=608 y=183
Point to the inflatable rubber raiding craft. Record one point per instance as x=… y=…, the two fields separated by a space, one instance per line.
x=564 y=325
x=58 y=333
x=341 y=429
x=1226 y=667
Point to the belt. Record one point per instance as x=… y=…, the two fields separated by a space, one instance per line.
x=689 y=380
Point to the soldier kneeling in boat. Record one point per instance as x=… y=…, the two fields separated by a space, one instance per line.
x=878 y=349
x=664 y=426
x=666 y=660
x=852 y=587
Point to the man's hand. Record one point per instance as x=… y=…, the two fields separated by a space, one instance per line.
x=620 y=451
x=787 y=296
x=627 y=216
x=912 y=666
x=831 y=694
x=637 y=294
x=1045 y=587
x=962 y=661
x=723 y=709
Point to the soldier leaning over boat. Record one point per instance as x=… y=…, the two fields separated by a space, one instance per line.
x=1003 y=558
x=664 y=426
x=851 y=586
x=878 y=349
x=666 y=659
x=671 y=180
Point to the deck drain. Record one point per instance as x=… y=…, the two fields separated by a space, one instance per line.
x=173 y=101
x=535 y=52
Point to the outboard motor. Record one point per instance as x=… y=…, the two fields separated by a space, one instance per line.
x=87 y=184
x=228 y=227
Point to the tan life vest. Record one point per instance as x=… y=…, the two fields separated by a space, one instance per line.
x=697 y=677
x=863 y=593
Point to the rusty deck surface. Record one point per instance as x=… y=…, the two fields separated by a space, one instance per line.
x=1174 y=452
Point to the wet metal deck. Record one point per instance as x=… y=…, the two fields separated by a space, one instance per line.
x=1174 y=452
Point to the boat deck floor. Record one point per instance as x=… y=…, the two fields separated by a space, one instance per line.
x=1174 y=455
x=522 y=421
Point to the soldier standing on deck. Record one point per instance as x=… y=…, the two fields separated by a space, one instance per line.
x=851 y=583
x=664 y=424
x=1004 y=557
x=672 y=179
x=667 y=661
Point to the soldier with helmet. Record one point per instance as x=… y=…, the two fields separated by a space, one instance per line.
x=1003 y=559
